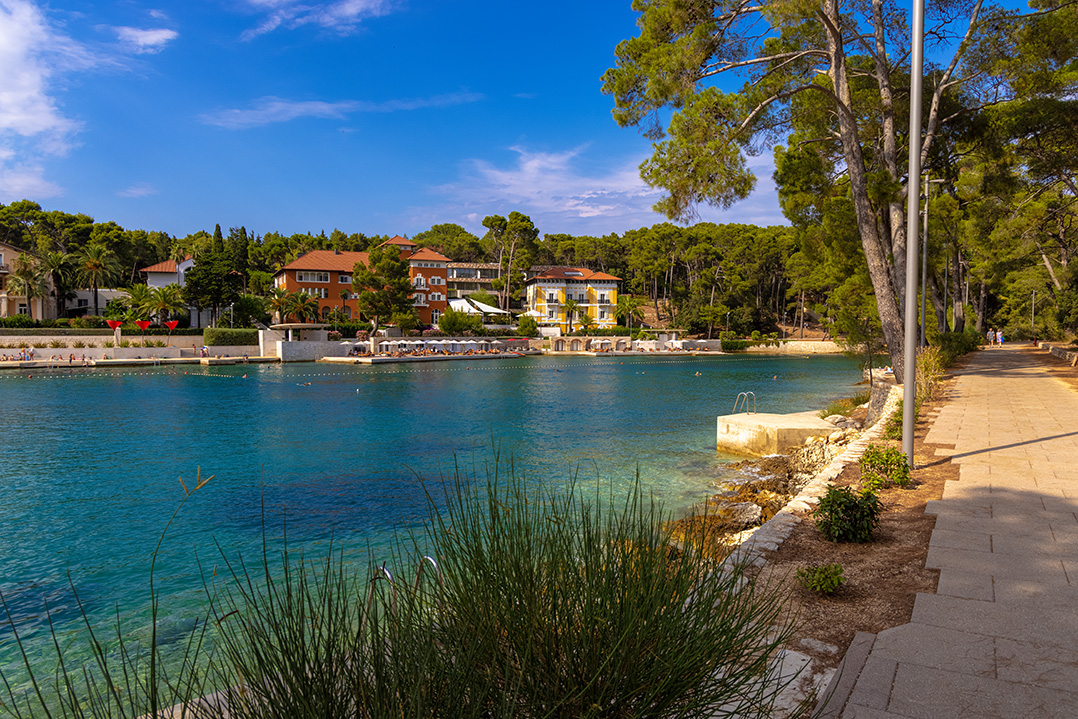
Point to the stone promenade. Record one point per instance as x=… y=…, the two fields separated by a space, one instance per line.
x=1000 y=636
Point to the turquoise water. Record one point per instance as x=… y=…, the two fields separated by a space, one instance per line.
x=90 y=461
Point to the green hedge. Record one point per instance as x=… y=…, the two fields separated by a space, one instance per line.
x=225 y=336
x=91 y=332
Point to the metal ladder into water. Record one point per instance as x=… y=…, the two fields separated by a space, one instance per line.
x=743 y=401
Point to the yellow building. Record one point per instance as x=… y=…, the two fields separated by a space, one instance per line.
x=595 y=293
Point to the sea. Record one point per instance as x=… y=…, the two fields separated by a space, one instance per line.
x=96 y=464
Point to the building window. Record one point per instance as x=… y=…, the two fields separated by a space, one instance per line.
x=602 y=314
x=344 y=279
x=319 y=293
x=552 y=314
x=435 y=315
x=551 y=297
x=419 y=299
x=419 y=281
x=437 y=280
x=348 y=312
x=602 y=299
x=312 y=276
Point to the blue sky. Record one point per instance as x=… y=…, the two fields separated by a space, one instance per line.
x=373 y=116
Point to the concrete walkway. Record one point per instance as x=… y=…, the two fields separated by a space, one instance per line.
x=1000 y=636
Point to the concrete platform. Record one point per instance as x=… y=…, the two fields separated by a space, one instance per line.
x=757 y=435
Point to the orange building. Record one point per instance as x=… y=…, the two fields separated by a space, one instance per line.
x=326 y=275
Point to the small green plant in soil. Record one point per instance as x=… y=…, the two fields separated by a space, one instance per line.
x=887 y=464
x=822 y=578
x=846 y=406
x=847 y=516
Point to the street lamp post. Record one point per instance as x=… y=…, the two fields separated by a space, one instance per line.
x=909 y=373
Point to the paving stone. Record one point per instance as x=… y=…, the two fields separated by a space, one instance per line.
x=1052 y=627
x=873 y=688
x=1050 y=667
x=925 y=693
x=1013 y=566
x=967 y=585
x=939 y=647
x=972 y=541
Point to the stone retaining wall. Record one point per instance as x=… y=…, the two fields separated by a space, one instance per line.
x=1060 y=352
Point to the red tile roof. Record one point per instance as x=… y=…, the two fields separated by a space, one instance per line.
x=398 y=240
x=168 y=266
x=428 y=255
x=577 y=273
x=326 y=261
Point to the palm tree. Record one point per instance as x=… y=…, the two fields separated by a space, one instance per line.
x=627 y=308
x=139 y=301
x=303 y=307
x=29 y=279
x=97 y=265
x=587 y=322
x=164 y=301
x=60 y=269
x=280 y=300
x=571 y=309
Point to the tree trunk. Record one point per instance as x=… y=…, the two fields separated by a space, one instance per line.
x=937 y=304
x=876 y=255
x=982 y=306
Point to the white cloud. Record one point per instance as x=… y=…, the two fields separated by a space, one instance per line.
x=143 y=41
x=342 y=16
x=560 y=198
x=268 y=110
x=25 y=182
x=139 y=189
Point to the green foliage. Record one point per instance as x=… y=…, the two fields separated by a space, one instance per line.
x=528 y=326
x=382 y=286
x=845 y=406
x=17 y=321
x=822 y=578
x=225 y=336
x=893 y=429
x=845 y=516
x=886 y=463
x=953 y=345
x=454 y=323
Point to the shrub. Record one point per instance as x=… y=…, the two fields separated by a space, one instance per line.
x=227 y=336
x=333 y=335
x=822 y=578
x=846 y=406
x=19 y=321
x=57 y=343
x=887 y=463
x=454 y=323
x=846 y=516
x=893 y=429
x=530 y=328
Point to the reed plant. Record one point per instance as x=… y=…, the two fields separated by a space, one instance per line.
x=514 y=600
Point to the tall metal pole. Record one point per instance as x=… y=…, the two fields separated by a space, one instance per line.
x=924 y=269
x=913 y=204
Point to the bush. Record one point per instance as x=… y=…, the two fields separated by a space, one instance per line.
x=226 y=336
x=846 y=516
x=19 y=321
x=845 y=406
x=454 y=323
x=822 y=578
x=89 y=322
x=953 y=345
x=528 y=327
x=887 y=463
